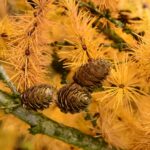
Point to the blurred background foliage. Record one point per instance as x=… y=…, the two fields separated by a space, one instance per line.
x=126 y=130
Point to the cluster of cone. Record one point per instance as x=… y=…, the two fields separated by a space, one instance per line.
x=71 y=98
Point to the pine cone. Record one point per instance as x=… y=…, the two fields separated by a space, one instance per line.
x=73 y=98
x=38 y=97
x=91 y=74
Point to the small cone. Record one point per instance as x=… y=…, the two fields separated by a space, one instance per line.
x=92 y=74
x=73 y=98
x=38 y=97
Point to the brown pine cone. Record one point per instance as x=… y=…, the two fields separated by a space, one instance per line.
x=73 y=98
x=92 y=74
x=39 y=97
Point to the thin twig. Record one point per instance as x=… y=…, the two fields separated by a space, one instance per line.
x=5 y=78
x=106 y=15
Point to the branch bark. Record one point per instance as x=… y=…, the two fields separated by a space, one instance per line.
x=43 y=125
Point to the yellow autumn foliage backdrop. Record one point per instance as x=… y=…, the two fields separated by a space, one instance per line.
x=123 y=105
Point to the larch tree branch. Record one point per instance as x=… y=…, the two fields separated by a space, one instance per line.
x=107 y=16
x=41 y=124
